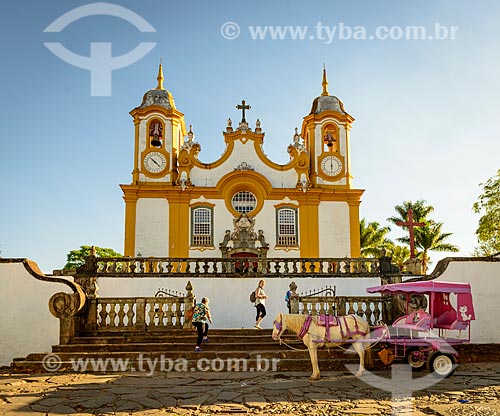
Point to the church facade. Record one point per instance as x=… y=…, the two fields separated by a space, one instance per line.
x=243 y=204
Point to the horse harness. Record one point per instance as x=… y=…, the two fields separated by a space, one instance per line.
x=328 y=322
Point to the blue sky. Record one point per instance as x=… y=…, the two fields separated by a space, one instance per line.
x=426 y=110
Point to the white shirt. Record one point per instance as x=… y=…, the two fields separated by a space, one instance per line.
x=260 y=292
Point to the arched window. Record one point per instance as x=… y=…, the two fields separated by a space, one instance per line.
x=156 y=133
x=286 y=227
x=330 y=138
x=244 y=202
x=202 y=226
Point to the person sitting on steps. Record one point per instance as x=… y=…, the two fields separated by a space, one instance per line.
x=260 y=303
x=201 y=314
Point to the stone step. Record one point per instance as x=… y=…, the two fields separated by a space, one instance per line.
x=181 y=345
x=201 y=364
x=254 y=336
x=169 y=332
x=189 y=353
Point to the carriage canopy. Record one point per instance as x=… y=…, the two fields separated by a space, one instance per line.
x=439 y=292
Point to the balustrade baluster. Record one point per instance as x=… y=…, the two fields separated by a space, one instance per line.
x=161 y=312
x=152 y=313
x=112 y=314
x=130 y=313
x=103 y=314
x=121 y=314
x=168 y=313
x=376 y=313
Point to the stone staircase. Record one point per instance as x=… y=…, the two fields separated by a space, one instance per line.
x=173 y=350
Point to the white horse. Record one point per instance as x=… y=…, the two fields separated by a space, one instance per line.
x=351 y=327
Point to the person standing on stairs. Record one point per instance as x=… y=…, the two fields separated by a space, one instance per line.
x=260 y=303
x=201 y=314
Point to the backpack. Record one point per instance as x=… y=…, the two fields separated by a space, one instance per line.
x=253 y=298
x=188 y=315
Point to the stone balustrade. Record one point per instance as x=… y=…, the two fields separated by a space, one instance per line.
x=367 y=307
x=230 y=267
x=138 y=313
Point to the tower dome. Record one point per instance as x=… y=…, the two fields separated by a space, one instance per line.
x=158 y=96
x=327 y=102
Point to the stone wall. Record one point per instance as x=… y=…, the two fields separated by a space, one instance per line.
x=484 y=277
x=26 y=323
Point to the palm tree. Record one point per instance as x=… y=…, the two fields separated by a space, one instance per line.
x=399 y=255
x=373 y=238
x=427 y=238
x=430 y=238
x=420 y=211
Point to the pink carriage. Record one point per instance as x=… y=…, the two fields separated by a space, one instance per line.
x=426 y=338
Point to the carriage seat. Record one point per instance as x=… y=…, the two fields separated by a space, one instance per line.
x=448 y=320
x=416 y=321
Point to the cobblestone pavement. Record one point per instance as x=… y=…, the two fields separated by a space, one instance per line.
x=473 y=390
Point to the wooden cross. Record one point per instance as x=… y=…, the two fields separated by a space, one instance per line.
x=243 y=107
x=411 y=225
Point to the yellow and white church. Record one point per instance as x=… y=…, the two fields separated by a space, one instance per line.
x=243 y=204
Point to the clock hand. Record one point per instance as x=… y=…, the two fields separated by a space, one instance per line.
x=155 y=162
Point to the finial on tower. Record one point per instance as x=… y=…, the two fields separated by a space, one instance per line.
x=160 y=77
x=325 y=82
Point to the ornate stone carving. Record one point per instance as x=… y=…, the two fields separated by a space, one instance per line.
x=227 y=239
x=243 y=235
x=244 y=166
x=262 y=239
x=297 y=142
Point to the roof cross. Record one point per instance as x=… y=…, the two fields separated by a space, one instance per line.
x=243 y=107
x=411 y=225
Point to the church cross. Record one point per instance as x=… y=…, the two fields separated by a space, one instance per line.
x=243 y=107
x=411 y=225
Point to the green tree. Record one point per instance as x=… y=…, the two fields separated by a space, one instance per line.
x=420 y=211
x=76 y=258
x=488 y=230
x=430 y=238
x=427 y=238
x=399 y=254
x=373 y=238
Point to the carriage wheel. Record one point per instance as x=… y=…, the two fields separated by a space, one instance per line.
x=414 y=359
x=442 y=365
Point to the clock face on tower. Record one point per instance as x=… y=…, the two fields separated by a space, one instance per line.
x=331 y=165
x=155 y=162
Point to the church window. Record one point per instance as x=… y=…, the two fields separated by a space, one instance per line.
x=244 y=202
x=286 y=227
x=202 y=226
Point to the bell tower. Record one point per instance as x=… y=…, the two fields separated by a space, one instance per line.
x=326 y=133
x=159 y=129
x=150 y=214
